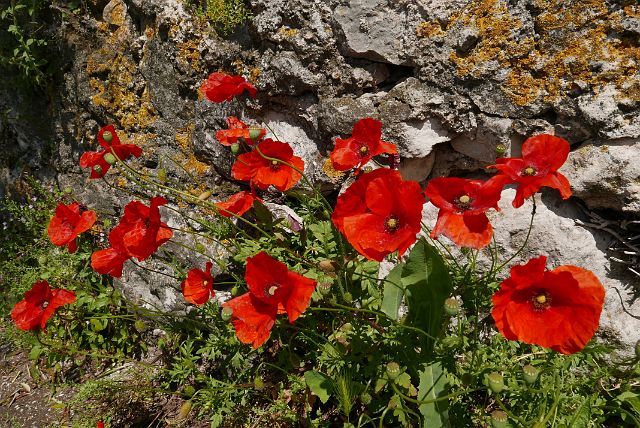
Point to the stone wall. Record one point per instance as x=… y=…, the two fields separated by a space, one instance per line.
x=449 y=79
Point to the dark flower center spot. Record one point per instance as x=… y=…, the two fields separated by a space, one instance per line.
x=275 y=165
x=541 y=301
x=529 y=171
x=391 y=224
x=364 y=150
x=205 y=283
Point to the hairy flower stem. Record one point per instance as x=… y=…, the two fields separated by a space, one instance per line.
x=524 y=244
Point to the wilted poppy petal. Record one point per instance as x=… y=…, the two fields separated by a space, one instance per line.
x=108 y=262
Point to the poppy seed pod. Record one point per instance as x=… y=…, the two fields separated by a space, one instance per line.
x=530 y=374
x=501 y=149
x=324 y=288
x=365 y=398
x=110 y=158
x=393 y=370
x=226 y=313
x=204 y=195
x=496 y=382
x=451 y=306
x=255 y=133
x=499 y=419
x=107 y=136
x=235 y=148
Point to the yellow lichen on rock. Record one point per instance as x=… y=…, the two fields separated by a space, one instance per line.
x=184 y=138
x=189 y=54
x=429 y=29
x=577 y=44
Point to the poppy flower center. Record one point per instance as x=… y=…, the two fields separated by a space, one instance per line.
x=205 y=283
x=364 y=150
x=391 y=224
x=107 y=136
x=541 y=301
x=275 y=165
x=271 y=289
x=463 y=202
x=45 y=304
x=529 y=171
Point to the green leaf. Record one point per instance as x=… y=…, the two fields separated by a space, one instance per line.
x=319 y=384
x=433 y=384
x=393 y=292
x=427 y=284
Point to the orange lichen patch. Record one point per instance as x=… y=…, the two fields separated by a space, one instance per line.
x=103 y=27
x=184 y=138
x=254 y=74
x=333 y=174
x=429 y=29
x=576 y=43
x=287 y=32
x=149 y=32
x=189 y=54
x=119 y=14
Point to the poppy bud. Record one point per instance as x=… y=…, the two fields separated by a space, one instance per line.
x=501 y=149
x=107 y=136
x=200 y=248
x=204 y=195
x=530 y=374
x=393 y=370
x=365 y=398
x=235 y=148
x=235 y=290
x=451 y=306
x=110 y=158
x=68 y=190
x=348 y=297
x=499 y=419
x=162 y=175
x=258 y=383
x=226 y=313
x=185 y=409
x=496 y=382
x=254 y=133
x=324 y=288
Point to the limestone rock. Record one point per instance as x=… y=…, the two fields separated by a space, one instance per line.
x=606 y=174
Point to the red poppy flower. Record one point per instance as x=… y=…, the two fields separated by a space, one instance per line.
x=273 y=289
x=38 y=305
x=558 y=309
x=198 y=286
x=100 y=424
x=139 y=234
x=237 y=204
x=142 y=230
x=237 y=129
x=380 y=213
x=463 y=204
x=262 y=172
x=364 y=144
x=252 y=319
x=108 y=139
x=220 y=87
x=542 y=155
x=68 y=222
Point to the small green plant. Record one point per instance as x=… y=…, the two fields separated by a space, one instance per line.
x=22 y=45
x=225 y=15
